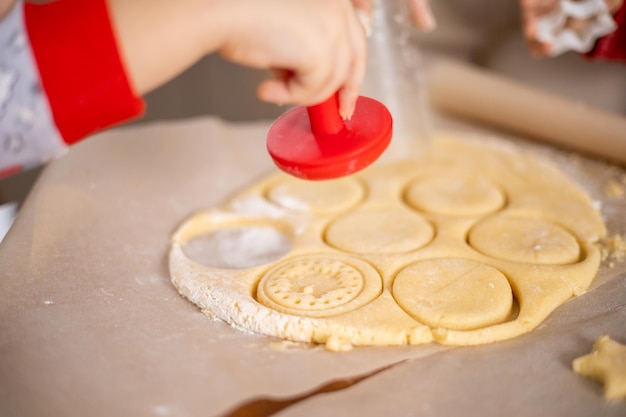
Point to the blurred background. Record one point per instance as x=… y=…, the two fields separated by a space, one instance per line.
x=484 y=32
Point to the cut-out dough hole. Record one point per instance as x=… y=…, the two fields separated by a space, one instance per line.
x=456 y=195
x=454 y=293
x=528 y=240
x=383 y=230
x=320 y=197
x=237 y=248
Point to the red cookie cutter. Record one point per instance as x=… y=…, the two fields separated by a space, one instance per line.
x=315 y=143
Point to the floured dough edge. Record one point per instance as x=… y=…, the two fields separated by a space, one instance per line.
x=244 y=312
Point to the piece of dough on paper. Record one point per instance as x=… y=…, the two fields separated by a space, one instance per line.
x=606 y=363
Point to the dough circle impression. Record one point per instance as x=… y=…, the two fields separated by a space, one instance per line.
x=319 y=286
x=468 y=243
x=379 y=231
x=460 y=194
x=445 y=293
x=520 y=239
x=325 y=196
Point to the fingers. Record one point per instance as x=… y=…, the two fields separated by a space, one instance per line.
x=539 y=49
x=613 y=5
x=364 y=6
x=363 y=10
x=349 y=93
x=325 y=53
x=421 y=15
x=529 y=18
x=274 y=91
x=532 y=10
x=318 y=81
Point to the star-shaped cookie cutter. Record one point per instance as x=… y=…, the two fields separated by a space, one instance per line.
x=553 y=29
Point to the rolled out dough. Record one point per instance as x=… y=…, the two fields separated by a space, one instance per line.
x=473 y=242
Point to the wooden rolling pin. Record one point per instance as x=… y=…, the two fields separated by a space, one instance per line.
x=477 y=94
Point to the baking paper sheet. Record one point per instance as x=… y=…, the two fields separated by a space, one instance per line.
x=91 y=326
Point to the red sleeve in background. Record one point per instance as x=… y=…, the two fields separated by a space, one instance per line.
x=613 y=46
x=80 y=66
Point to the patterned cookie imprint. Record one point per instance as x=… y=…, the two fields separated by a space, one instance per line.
x=470 y=243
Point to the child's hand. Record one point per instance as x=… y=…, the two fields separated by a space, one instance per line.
x=314 y=48
x=421 y=15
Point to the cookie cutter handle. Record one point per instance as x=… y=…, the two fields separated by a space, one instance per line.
x=325 y=119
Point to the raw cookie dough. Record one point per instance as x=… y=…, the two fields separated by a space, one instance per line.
x=606 y=363
x=439 y=298
x=473 y=242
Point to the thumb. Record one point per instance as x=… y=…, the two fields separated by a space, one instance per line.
x=274 y=91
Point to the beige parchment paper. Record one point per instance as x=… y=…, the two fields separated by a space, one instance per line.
x=91 y=326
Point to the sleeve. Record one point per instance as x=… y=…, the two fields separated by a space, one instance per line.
x=613 y=46
x=62 y=78
x=28 y=135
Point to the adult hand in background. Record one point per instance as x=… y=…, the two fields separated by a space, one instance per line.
x=533 y=10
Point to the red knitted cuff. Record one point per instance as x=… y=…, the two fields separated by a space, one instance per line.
x=613 y=46
x=80 y=66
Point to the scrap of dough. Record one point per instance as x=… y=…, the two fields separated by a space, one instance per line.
x=607 y=364
x=615 y=247
x=465 y=244
x=614 y=189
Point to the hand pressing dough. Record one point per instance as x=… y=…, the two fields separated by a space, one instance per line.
x=470 y=243
x=606 y=363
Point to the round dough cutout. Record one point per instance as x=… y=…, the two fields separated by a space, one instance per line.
x=525 y=239
x=454 y=293
x=319 y=286
x=316 y=196
x=456 y=195
x=382 y=230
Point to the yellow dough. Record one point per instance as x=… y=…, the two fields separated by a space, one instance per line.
x=439 y=298
x=327 y=196
x=606 y=363
x=383 y=230
x=470 y=243
x=319 y=287
x=523 y=239
x=458 y=194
